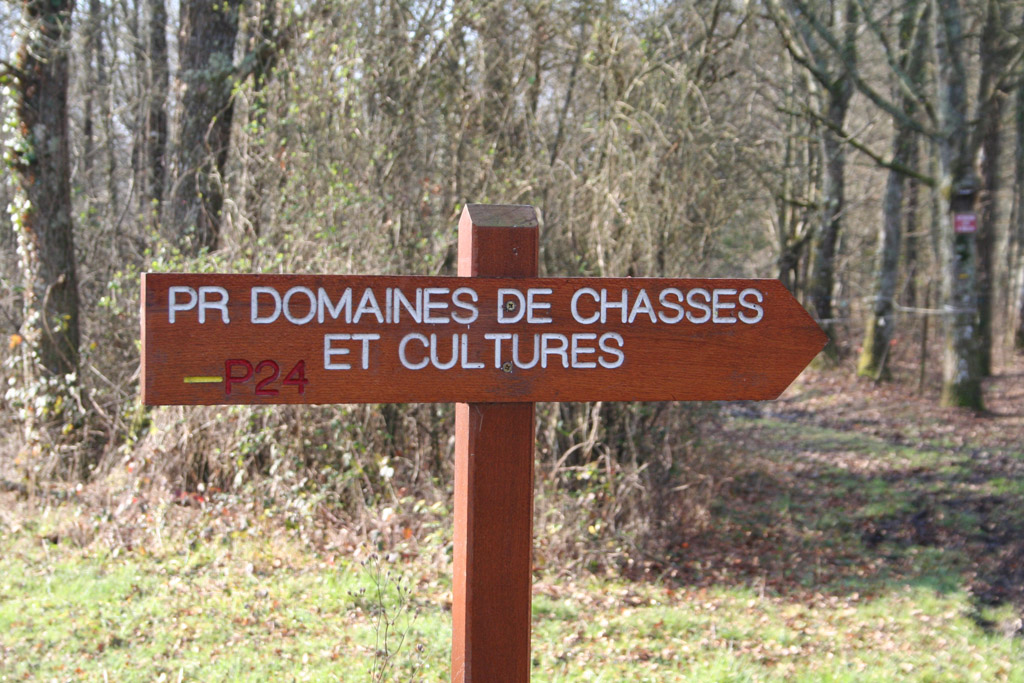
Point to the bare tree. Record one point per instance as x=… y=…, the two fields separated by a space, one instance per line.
x=831 y=66
x=881 y=323
x=792 y=175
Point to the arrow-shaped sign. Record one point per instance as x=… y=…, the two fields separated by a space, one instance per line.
x=211 y=339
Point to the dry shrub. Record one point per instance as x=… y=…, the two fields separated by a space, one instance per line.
x=634 y=481
x=348 y=458
x=619 y=127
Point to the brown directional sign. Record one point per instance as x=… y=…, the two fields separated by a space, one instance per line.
x=215 y=339
x=493 y=341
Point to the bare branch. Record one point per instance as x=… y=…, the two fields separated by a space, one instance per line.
x=882 y=102
x=851 y=139
x=799 y=52
x=8 y=69
x=902 y=60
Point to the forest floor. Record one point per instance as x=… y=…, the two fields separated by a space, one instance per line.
x=865 y=535
x=852 y=483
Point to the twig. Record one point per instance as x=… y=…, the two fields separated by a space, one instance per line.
x=12 y=70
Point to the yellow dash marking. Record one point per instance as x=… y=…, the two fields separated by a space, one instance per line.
x=203 y=380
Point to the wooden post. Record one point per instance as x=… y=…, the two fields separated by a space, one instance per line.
x=216 y=339
x=494 y=444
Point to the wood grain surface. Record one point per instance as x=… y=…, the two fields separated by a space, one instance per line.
x=493 y=528
x=702 y=355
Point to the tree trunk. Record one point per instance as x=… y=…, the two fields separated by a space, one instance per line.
x=109 y=125
x=264 y=34
x=92 y=37
x=993 y=58
x=961 y=371
x=827 y=238
x=207 y=45
x=912 y=243
x=155 y=145
x=136 y=44
x=881 y=324
x=43 y=212
x=791 y=223
x=1018 y=334
x=838 y=90
x=500 y=124
x=1015 y=254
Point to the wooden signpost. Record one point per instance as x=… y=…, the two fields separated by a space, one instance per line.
x=494 y=340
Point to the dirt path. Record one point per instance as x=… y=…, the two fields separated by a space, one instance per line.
x=846 y=486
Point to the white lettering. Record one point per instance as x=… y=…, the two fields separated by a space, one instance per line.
x=368 y=304
x=675 y=306
x=330 y=352
x=619 y=356
x=472 y=313
x=587 y=291
x=498 y=337
x=221 y=304
x=465 y=355
x=514 y=309
x=366 y=338
x=719 y=305
x=606 y=305
x=642 y=305
x=255 y=305
x=532 y=305
x=515 y=352
x=416 y=312
x=699 y=306
x=401 y=351
x=172 y=301
x=436 y=361
x=578 y=349
x=430 y=306
x=758 y=312
x=553 y=344
x=308 y=293
x=323 y=302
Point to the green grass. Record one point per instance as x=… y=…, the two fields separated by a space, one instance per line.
x=249 y=610
x=861 y=481
x=738 y=635
x=243 y=612
x=832 y=555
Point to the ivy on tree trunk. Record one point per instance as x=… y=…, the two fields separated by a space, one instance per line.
x=42 y=210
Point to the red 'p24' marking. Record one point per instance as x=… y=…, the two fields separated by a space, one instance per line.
x=295 y=377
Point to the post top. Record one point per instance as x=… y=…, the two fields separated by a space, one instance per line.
x=501 y=215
